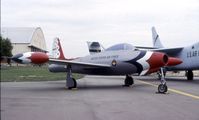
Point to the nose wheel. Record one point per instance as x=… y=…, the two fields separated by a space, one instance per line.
x=162 y=88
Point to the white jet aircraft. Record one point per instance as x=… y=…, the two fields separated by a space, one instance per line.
x=120 y=59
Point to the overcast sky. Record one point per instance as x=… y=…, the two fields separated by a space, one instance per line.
x=106 y=21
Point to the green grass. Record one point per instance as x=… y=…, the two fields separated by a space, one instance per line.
x=30 y=73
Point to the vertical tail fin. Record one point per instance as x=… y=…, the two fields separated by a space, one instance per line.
x=57 y=51
x=156 y=40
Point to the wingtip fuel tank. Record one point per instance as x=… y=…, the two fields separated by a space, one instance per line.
x=31 y=57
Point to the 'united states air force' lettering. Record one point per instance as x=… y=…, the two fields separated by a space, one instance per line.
x=105 y=57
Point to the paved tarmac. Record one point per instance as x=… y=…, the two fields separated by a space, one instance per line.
x=100 y=98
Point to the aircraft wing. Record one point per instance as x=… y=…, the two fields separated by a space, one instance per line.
x=169 y=51
x=145 y=48
x=77 y=63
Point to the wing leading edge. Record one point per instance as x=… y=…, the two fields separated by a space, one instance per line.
x=77 y=63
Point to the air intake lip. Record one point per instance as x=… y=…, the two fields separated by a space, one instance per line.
x=165 y=59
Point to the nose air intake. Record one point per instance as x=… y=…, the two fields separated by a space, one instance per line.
x=165 y=59
x=157 y=60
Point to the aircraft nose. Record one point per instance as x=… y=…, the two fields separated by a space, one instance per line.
x=16 y=58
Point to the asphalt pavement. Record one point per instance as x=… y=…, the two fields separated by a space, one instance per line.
x=101 y=98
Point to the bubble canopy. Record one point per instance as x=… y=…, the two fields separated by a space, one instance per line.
x=122 y=46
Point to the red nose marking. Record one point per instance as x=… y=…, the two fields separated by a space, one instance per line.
x=39 y=58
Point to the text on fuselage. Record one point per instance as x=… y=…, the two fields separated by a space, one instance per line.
x=105 y=57
x=194 y=53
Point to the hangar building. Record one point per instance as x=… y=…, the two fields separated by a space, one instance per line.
x=25 y=39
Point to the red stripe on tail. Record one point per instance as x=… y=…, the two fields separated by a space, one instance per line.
x=61 y=56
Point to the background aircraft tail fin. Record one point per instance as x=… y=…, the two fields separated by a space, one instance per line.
x=94 y=47
x=156 y=40
x=57 y=51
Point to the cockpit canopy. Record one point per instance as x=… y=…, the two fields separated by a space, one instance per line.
x=122 y=46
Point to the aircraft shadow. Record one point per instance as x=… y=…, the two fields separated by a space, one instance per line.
x=174 y=79
x=60 y=86
x=108 y=87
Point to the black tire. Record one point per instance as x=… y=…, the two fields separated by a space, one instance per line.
x=131 y=81
x=162 y=88
x=75 y=84
x=189 y=75
x=128 y=81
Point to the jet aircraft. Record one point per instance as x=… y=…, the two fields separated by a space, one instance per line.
x=189 y=55
x=119 y=59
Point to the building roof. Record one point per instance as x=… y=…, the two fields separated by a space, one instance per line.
x=18 y=34
x=33 y=37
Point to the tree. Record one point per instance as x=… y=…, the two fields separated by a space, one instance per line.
x=6 y=47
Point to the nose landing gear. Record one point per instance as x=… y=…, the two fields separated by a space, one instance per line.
x=162 y=88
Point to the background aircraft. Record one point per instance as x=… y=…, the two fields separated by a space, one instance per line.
x=120 y=59
x=189 y=55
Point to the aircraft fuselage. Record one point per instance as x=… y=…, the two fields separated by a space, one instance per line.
x=122 y=66
x=190 y=57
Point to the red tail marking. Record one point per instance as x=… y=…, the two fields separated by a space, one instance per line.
x=61 y=57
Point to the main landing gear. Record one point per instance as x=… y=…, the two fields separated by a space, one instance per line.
x=70 y=82
x=189 y=75
x=128 y=81
x=162 y=88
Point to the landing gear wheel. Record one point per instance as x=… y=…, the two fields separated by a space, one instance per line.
x=189 y=75
x=162 y=88
x=75 y=84
x=128 y=81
